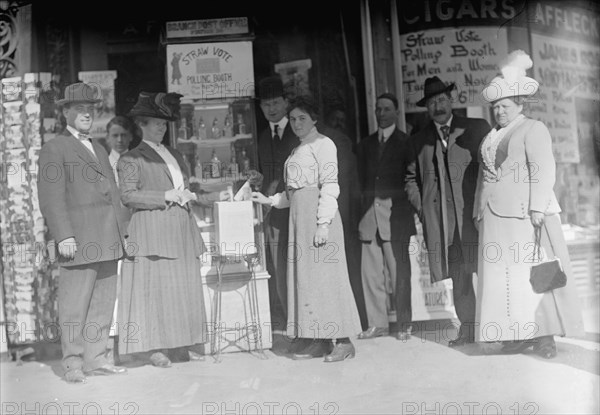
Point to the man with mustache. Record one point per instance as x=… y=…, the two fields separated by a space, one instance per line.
x=440 y=183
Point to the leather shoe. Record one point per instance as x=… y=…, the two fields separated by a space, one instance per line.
x=546 y=347
x=519 y=346
x=317 y=348
x=195 y=357
x=341 y=351
x=106 y=370
x=403 y=335
x=158 y=359
x=460 y=341
x=75 y=376
x=373 y=332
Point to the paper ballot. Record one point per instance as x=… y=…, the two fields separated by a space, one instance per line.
x=234 y=228
x=245 y=192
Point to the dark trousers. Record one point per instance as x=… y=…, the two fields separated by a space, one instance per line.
x=276 y=244
x=86 y=301
x=462 y=288
x=403 y=286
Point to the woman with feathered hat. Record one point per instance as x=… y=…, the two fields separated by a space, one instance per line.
x=161 y=308
x=514 y=200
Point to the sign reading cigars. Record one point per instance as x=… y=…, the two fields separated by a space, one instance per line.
x=213 y=70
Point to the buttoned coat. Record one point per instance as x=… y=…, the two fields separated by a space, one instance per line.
x=385 y=206
x=427 y=193
x=154 y=226
x=79 y=198
x=527 y=173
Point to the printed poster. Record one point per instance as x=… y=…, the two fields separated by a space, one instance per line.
x=214 y=70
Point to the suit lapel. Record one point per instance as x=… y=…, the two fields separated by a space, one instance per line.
x=85 y=154
x=152 y=155
x=455 y=132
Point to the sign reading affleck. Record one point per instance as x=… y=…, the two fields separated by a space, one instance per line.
x=211 y=70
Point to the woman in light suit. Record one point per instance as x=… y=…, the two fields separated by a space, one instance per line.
x=515 y=196
x=161 y=307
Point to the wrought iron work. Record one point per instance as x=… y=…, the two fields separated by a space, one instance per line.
x=8 y=38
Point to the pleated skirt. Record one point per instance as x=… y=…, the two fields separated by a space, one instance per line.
x=161 y=304
x=320 y=300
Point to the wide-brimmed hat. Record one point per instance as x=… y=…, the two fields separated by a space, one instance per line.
x=434 y=86
x=270 y=87
x=513 y=82
x=157 y=105
x=81 y=92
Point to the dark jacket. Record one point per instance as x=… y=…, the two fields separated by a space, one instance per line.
x=385 y=206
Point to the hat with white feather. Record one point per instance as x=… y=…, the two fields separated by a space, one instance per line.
x=513 y=82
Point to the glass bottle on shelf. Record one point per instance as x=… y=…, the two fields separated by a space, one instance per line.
x=201 y=129
x=227 y=127
x=215 y=164
x=244 y=162
x=233 y=166
x=215 y=130
x=198 y=167
x=183 y=131
x=241 y=124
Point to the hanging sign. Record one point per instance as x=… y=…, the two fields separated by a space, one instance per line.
x=207 y=27
x=214 y=70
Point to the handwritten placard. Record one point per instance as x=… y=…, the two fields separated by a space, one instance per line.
x=467 y=56
x=207 y=27
x=211 y=70
x=566 y=70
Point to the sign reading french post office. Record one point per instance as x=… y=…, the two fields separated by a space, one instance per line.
x=207 y=27
x=212 y=70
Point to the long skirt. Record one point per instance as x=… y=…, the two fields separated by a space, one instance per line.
x=507 y=307
x=320 y=300
x=162 y=303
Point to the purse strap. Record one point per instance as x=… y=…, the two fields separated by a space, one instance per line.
x=538 y=242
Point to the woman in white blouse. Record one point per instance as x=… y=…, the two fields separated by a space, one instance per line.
x=321 y=305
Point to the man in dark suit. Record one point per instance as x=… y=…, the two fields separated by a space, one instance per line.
x=274 y=146
x=80 y=202
x=440 y=183
x=386 y=223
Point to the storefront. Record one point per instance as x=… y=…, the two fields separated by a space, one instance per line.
x=464 y=41
x=125 y=53
x=345 y=57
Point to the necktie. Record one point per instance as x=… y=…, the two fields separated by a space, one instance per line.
x=84 y=136
x=381 y=143
x=275 y=133
x=445 y=135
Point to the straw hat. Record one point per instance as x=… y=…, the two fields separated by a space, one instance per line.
x=513 y=82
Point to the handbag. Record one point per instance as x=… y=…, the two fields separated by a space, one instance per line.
x=547 y=275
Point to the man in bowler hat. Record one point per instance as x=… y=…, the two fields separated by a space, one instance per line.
x=440 y=182
x=80 y=202
x=275 y=144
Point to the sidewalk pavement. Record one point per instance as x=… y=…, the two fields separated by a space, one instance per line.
x=421 y=375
